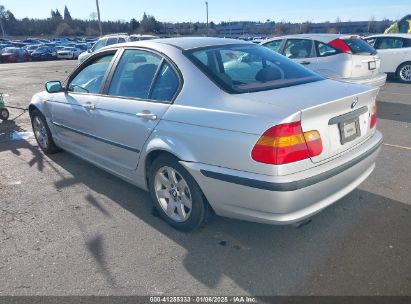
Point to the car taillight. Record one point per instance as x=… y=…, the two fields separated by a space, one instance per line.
x=373 y=119
x=286 y=143
x=340 y=45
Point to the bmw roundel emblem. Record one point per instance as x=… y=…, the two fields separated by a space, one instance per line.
x=354 y=103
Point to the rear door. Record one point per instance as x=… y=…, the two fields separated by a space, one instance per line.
x=391 y=51
x=137 y=94
x=301 y=51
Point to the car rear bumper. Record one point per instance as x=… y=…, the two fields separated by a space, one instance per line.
x=290 y=198
x=376 y=81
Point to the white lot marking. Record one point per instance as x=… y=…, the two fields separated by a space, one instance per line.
x=14 y=183
x=393 y=93
x=397 y=146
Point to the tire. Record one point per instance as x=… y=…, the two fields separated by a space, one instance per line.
x=403 y=72
x=4 y=114
x=169 y=200
x=42 y=133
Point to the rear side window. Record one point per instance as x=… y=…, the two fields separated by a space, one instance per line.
x=324 y=50
x=359 y=46
x=389 y=43
x=249 y=68
x=111 y=41
x=134 y=74
x=407 y=42
x=274 y=45
x=298 y=48
x=166 y=84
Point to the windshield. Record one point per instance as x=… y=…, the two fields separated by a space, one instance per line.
x=249 y=68
x=42 y=49
x=359 y=46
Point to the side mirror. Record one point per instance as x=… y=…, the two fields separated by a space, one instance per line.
x=54 y=87
x=89 y=51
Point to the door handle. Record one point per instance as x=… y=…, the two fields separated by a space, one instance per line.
x=305 y=62
x=89 y=106
x=147 y=115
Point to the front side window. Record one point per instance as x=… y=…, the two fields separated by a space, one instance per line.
x=298 y=48
x=134 y=74
x=249 y=68
x=389 y=43
x=324 y=50
x=274 y=45
x=90 y=78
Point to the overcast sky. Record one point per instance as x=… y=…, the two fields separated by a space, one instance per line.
x=219 y=10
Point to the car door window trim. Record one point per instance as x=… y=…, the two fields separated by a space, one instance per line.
x=163 y=57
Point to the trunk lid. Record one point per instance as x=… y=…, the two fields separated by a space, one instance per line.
x=324 y=106
x=342 y=123
x=365 y=61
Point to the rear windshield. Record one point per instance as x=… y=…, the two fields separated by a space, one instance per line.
x=249 y=68
x=359 y=46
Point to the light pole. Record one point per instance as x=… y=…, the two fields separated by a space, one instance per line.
x=99 y=21
x=206 y=3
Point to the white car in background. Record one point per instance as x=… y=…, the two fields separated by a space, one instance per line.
x=68 y=53
x=395 y=53
x=102 y=42
x=339 y=57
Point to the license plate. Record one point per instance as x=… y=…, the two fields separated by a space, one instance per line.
x=349 y=130
x=372 y=65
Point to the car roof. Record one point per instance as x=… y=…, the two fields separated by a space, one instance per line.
x=319 y=37
x=401 y=35
x=186 y=43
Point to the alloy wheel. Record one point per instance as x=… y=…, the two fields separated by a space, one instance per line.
x=405 y=73
x=40 y=132
x=173 y=194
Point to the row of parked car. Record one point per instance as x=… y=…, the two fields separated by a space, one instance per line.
x=349 y=58
x=41 y=49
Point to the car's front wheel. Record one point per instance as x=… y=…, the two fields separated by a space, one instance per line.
x=42 y=133
x=404 y=72
x=176 y=195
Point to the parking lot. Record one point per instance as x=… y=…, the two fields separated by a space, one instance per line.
x=69 y=228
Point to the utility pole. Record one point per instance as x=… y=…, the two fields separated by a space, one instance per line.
x=2 y=28
x=206 y=3
x=99 y=20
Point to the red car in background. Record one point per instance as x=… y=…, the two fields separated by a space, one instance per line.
x=13 y=54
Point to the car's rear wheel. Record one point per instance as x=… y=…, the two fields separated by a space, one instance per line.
x=404 y=72
x=42 y=133
x=176 y=195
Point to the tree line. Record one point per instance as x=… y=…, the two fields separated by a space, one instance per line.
x=63 y=24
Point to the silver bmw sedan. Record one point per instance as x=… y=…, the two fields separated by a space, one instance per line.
x=210 y=125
